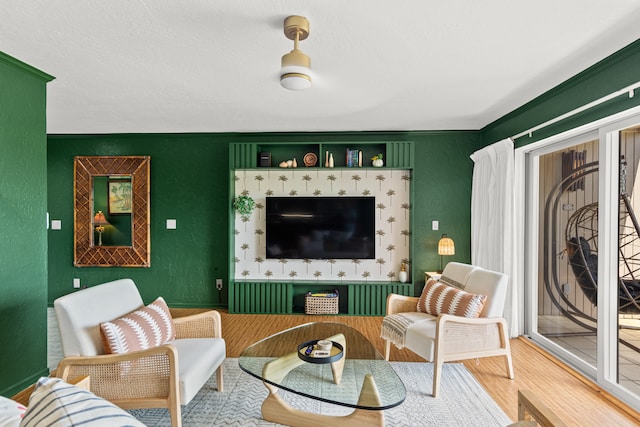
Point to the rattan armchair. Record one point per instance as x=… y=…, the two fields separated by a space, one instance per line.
x=161 y=377
x=446 y=337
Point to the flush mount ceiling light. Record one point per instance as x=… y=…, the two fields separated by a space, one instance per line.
x=295 y=73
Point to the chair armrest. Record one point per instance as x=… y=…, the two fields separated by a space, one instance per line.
x=202 y=325
x=449 y=318
x=140 y=374
x=464 y=338
x=401 y=304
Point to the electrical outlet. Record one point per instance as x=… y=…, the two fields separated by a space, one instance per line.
x=219 y=284
x=76 y=283
x=435 y=225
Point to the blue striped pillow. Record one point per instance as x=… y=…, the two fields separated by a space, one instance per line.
x=55 y=403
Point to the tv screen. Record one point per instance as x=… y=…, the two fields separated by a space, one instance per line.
x=320 y=227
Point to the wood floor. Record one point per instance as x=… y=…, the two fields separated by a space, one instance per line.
x=575 y=400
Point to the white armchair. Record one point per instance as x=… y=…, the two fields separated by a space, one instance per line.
x=165 y=376
x=445 y=337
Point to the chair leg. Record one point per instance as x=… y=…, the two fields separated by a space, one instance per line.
x=437 y=371
x=509 y=363
x=507 y=349
x=175 y=413
x=387 y=349
x=219 y=378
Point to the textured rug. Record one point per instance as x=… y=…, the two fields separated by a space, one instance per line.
x=462 y=401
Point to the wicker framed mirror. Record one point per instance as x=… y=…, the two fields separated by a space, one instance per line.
x=87 y=252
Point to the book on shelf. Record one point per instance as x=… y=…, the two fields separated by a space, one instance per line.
x=353 y=158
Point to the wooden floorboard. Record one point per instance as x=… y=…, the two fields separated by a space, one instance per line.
x=574 y=399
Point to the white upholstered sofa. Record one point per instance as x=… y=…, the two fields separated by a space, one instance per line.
x=441 y=338
x=166 y=375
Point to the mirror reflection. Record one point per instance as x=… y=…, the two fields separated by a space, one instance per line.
x=112 y=207
x=112 y=215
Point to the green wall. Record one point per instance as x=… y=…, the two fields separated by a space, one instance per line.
x=613 y=73
x=23 y=247
x=190 y=182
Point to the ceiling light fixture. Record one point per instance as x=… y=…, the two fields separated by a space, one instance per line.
x=295 y=73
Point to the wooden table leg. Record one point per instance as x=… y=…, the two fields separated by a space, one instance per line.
x=276 y=410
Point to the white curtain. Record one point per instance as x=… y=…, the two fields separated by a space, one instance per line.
x=492 y=219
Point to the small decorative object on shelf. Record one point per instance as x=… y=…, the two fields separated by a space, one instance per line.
x=310 y=160
x=244 y=205
x=330 y=160
x=402 y=275
x=291 y=163
x=326 y=159
x=376 y=161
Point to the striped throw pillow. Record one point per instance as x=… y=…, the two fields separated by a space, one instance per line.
x=55 y=403
x=438 y=298
x=144 y=328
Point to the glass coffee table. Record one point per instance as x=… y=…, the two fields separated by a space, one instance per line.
x=350 y=373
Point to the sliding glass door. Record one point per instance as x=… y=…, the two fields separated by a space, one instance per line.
x=582 y=281
x=567 y=242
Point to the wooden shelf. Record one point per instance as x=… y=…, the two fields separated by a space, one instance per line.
x=396 y=154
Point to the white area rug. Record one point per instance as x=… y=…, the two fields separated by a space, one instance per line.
x=462 y=401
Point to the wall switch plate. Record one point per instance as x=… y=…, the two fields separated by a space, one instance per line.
x=435 y=225
x=219 y=284
x=76 y=283
x=171 y=224
x=56 y=224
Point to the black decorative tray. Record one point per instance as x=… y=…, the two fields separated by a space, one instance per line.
x=335 y=353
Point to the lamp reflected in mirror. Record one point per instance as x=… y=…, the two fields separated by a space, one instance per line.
x=99 y=222
x=446 y=247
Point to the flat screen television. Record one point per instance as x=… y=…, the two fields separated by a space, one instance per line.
x=320 y=227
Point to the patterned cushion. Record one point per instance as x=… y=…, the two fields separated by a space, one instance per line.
x=55 y=403
x=147 y=327
x=11 y=412
x=439 y=298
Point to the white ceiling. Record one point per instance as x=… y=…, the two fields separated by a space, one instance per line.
x=212 y=66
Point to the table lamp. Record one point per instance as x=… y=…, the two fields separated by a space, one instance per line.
x=99 y=221
x=445 y=247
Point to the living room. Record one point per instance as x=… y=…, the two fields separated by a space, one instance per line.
x=191 y=181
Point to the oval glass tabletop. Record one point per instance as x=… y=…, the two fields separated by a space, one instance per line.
x=275 y=360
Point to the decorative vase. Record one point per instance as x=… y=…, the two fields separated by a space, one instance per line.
x=377 y=163
x=402 y=275
x=326 y=159
x=295 y=163
x=331 y=160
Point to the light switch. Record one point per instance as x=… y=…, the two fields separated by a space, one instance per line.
x=76 y=283
x=56 y=224
x=171 y=224
x=435 y=225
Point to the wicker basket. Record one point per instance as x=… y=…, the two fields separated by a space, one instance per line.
x=321 y=303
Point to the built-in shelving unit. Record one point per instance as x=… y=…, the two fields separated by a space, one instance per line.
x=396 y=154
x=250 y=294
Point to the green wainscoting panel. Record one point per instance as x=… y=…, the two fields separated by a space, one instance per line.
x=370 y=299
x=360 y=299
x=260 y=297
x=243 y=155
x=400 y=154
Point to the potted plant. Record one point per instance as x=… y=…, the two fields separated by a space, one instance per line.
x=376 y=161
x=244 y=205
